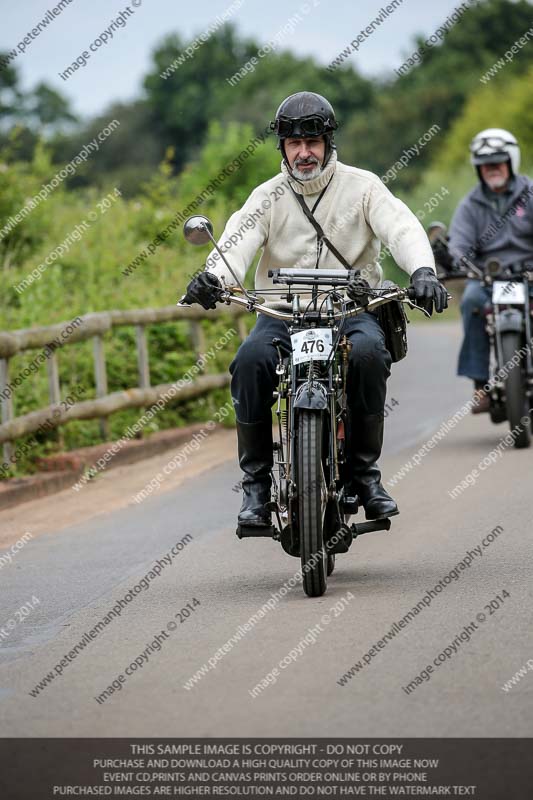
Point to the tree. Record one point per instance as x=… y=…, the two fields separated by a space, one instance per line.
x=49 y=108
x=503 y=103
x=434 y=92
x=184 y=103
x=127 y=157
x=26 y=115
x=10 y=95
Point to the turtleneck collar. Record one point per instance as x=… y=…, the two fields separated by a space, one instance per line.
x=317 y=184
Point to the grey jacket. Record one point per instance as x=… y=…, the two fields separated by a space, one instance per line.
x=479 y=232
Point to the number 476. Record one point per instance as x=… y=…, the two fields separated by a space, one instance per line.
x=315 y=345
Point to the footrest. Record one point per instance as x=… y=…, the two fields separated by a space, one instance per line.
x=265 y=531
x=350 y=505
x=368 y=527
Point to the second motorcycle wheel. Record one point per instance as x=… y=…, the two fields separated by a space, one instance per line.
x=515 y=391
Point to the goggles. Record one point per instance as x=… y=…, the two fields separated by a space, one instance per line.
x=313 y=125
x=493 y=142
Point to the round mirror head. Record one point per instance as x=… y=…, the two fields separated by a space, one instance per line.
x=493 y=267
x=197 y=229
x=436 y=230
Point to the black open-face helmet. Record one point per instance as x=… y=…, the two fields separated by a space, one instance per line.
x=305 y=115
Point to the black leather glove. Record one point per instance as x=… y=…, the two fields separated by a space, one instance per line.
x=429 y=291
x=359 y=291
x=204 y=289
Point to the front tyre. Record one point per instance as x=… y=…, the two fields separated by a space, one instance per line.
x=515 y=392
x=311 y=503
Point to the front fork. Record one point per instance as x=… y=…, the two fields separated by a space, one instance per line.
x=529 y=355
x=285 y=503
x=495 y=344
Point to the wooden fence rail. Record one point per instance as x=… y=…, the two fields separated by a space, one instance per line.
x=50 y=339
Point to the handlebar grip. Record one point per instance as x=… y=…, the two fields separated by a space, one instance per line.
x=411 y=293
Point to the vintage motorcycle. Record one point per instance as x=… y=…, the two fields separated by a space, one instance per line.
x=308 y=486
x=507 y=317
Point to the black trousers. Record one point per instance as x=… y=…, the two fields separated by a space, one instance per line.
x=253 y=370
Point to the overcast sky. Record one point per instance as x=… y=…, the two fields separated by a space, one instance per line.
x=115 y=71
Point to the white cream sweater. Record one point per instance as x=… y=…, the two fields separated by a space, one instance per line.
x=356 y=212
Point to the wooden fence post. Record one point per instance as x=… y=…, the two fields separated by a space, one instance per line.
x=100 y=377
x=6 y=403
x=198 y=340
x=142 y=357
x=54 y=391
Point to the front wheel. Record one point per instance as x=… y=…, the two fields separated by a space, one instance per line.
x=515 y=392
x=311 y=503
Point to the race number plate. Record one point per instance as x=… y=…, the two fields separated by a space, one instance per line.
x=313 y=343
x=508 y=292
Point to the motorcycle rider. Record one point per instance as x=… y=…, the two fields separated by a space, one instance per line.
x=494 y=220
x=359 y=211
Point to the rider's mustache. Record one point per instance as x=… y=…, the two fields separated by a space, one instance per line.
x=496 y=178
x=303 y=161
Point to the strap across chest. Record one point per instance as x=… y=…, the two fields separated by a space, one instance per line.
x=322 y=238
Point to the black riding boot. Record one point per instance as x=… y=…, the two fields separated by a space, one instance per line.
x=256 y=460
x=363 y=471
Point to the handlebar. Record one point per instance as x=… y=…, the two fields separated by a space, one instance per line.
x=403 y=295
x=511 y=272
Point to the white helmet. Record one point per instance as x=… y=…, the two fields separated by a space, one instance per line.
x=494 y=146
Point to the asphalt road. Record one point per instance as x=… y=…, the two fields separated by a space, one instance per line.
x=78 y=572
